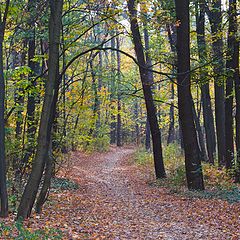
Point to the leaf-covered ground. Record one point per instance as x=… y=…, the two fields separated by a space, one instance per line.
x=115 y=200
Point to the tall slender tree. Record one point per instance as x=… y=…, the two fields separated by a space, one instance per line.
x=147 y=91
x=119 y=103
x=3 y=184
x=231 y=70
x=215 y=17
x=191 y=148
x=208 y=118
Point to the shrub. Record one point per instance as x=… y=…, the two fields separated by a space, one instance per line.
x=142 y=157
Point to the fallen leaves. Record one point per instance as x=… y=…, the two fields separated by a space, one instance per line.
x=115 y=201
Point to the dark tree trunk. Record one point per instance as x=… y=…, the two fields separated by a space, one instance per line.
x=49 y=159
x=231 y=68
x=64 y=144
x=150 y=79
x=172 y=37
x=235 y=66
x=19 y=96
x=3 y=180
x=31 y=103
x=191 y=148
x=215 y=18
x=205 y=93
x=148 y=136
x=137 y=128
x=171 y=130
x=237 y=117
x=46 y=182
x=31 y=189
x=200 y=136
x=147 y=91
x=119 y=104
x=113 y=91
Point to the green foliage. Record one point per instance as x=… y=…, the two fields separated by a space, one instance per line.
x=219 y=182
x=230 y=195
x=174 y=162
x=63 y=184
x=19 y=232
x=142 y=157
x=99 y=142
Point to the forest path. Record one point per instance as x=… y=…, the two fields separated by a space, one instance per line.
x=116 y=201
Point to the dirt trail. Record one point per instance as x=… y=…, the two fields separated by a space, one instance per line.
x=115 y=201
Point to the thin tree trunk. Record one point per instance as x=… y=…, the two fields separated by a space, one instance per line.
x=147 y=91
x=231 y=67
x=200 y=136
x=205 y=93
x=31 y=103
x=46 y=182
x=171 y=130
x=215 y=18
x=172 y=37
x=235 y=66
x=137 y=128
x=191 y=148
x=112 y=96
x=119 y=104
x=3 y=180
x=150 y=79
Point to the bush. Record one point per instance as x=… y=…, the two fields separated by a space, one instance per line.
x=142 y=157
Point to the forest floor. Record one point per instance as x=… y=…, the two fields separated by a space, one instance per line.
x=117 y=199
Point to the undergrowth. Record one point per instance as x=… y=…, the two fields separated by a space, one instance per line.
x=18 y=231
x=218 y=182
x=63 y=184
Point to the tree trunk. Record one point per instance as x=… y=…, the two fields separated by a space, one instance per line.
x=147 y=91
x=31 y=103
x=3 y=180
x=150 y=79
x=46 y=182
x=215 y=18
x=171 y=130
x=119 y=105
x=235 y=67
x=200 y=136
x=191 y=148
x=172 y=37
x=113 y=91
x=205 y=93
x=31 y=189
x=231 y=68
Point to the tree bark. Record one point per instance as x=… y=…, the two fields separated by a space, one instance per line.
x=215 y=18
x=235 y=67
x=113 y=91
x=200 y=136
x=150 y=78
x=191 y=148
x=208 y=118
x=31 y=103
x=119 y=104
x=231 y=68
x=147 y=91
x=3 y=180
